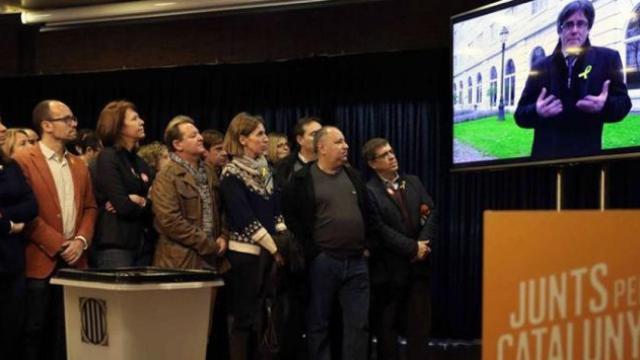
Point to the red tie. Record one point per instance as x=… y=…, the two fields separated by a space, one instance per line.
x=399 y=196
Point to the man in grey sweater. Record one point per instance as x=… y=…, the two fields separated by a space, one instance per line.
x=327 y=207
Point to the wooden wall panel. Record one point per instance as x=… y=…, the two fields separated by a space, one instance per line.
x=246 y=37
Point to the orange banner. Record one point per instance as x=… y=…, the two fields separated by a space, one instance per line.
x=561 y=285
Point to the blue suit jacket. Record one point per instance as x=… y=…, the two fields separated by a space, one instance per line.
x=396 y=246
x=17 y=204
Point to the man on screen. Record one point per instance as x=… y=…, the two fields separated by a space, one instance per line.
x=570 y=94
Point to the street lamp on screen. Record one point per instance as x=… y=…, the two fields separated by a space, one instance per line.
x=504 y=33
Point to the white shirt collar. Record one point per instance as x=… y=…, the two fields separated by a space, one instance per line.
x=393 y=182
x=49 y=153
x=302 y=158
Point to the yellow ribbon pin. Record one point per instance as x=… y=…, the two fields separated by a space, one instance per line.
x=585 y=73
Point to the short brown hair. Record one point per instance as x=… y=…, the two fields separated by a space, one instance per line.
x=88 y=140
x=298 y=130
x=370 y=147
x=212 y=137
x=242 y=124
x=111 y=121
x=172 y=131
x=40 y=113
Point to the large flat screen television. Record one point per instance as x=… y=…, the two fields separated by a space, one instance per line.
x=537 y=82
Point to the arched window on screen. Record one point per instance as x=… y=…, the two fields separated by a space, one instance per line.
x=493 y=87
x=510 y=83
x=479 y=88
x=632 y=39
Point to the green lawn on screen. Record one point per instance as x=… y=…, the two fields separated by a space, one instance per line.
x=505 y=139
x=499 y=139
x=622 y=134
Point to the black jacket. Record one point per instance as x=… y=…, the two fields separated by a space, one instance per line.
x=299 y=209
x=118 y=174
x=573 y=133
x=397 y=246
x=283 y=170
x=18 y=205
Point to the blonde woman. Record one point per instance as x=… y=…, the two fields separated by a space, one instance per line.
x=33 y=136
x=16 y=139
x=278 y=148
x=155 y=155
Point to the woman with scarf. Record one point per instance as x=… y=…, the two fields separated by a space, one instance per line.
x=253 y=212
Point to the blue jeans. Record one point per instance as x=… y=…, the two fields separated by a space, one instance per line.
x=347 y=279
x=119 y=258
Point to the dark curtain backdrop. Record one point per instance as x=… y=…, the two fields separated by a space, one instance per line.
x=403 y=96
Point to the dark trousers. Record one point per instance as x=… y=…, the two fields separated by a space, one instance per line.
x=294 y=303
x=118 y=258
x=402 y=311
x=244 y=292
x=44 y=336
x=218 y=344
x=12 y=295
x=348 y=280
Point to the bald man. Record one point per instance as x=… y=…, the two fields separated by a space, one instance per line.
x=327 y=207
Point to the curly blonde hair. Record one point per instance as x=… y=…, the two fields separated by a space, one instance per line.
x=152 y=152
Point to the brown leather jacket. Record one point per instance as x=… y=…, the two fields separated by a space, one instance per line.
x=177 y=210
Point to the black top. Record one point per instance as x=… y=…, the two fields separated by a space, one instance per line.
x=391 y=263
x=573 y=132
x=18 y=205
x=119 y=173
x=283 y=170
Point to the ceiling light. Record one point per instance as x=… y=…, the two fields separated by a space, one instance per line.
x=145 y=9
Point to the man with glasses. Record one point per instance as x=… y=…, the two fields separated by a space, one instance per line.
x=62 y=232
x=570 y=94
x=401 y=301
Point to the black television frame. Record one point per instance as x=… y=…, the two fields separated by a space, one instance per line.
x=603 y=156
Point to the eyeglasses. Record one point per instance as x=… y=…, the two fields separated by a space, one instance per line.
x=386 y=154
x=569 y=25
x=69 y=119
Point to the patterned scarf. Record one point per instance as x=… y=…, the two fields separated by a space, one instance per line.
x=254 y=172
x=200 y=175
